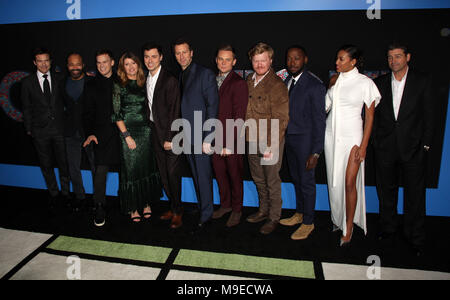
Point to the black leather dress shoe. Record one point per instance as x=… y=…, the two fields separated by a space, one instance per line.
x=384 y=236
x=200 y=227
x=418 y=251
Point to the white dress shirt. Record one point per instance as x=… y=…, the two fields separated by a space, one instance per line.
x=151 y=83
x=397 y=92
x=41 y=80
x=296 y=78
x=255 y=83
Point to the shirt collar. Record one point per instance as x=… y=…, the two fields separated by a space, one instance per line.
x=254 y=77
x=403 y=78
x=40 y=75
x=156 y=75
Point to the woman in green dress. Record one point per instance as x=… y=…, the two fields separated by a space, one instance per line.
x=139 y=181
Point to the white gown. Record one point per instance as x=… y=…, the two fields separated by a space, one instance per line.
x=344 y=129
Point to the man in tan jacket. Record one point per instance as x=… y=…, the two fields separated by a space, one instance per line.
x=268 y=112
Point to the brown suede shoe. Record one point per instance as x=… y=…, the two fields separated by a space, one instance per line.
x=176 y=221
x=167 y=215
x=257 y=217
x=269 y=227
x=297 y=218
x=303 y=232
x=234 y=219
x=220 y=212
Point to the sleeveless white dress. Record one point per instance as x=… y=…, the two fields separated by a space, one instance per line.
x=344 y=129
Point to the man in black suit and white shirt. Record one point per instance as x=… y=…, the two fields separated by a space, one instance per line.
x=402 y=136
x=43 y=119
x=163 y=97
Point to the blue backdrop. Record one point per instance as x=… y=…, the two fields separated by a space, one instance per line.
x=25 y=11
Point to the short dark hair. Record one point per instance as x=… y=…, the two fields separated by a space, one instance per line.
x=180 y=41
x=104 y=52
x=354 y=53
x=151 y=45
x=398 y=45
x=39 y=51
x=74 y=53
x=226 y=47
x=297 y=46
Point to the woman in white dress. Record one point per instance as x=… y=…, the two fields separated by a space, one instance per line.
x=346 y=140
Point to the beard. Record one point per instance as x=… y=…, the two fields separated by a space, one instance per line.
x=296 y=73
x=75 y=73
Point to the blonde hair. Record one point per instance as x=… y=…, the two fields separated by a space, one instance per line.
x=259 y=49
x=123 y=78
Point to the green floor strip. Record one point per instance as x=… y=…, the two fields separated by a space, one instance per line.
x=254 y=264
x=111 y=249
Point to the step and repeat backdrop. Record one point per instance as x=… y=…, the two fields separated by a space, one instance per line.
x=322 y=26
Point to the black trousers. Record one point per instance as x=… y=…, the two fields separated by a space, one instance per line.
x=169 y=166
x=388 y=170
x=100 y=177
x=74 y=148
x=51 y=147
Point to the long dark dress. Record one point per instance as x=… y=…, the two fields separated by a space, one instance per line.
x=139 y=181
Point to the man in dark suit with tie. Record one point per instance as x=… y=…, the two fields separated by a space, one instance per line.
x=304 y=137
x=402 y=136
x=163 y=96
x=228 y=163
x=43 y=119
x=199 y=103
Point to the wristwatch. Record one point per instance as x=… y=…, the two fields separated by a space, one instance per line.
x=316 y=155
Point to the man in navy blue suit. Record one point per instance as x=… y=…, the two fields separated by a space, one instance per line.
x=304 y=137
x=199 y=100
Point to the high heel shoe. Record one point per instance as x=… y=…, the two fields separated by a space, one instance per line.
x=335 y=228
x=346 y=243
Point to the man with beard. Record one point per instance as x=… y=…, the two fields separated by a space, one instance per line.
x=304 y=137
x=73 y=91
x=100 y=130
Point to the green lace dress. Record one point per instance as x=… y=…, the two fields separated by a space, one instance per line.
x=139 y=181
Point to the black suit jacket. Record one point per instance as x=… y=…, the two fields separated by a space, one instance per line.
x=97 y=112
x=40 y=115
x=413 y=128
x=165 y=106
x=307 y=111
x=73 y=110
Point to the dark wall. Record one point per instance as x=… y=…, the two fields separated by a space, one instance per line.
x=320 y=32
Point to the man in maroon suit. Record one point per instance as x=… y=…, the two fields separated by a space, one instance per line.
x=228 y=162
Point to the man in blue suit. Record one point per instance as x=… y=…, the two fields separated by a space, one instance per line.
x=304 y=137
x=199 y=101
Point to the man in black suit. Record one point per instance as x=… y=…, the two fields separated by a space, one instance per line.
x=402 y=136
x=73 y=93
x=43 y=119
x=100 y=129
x=199 y=103
x=163 y=108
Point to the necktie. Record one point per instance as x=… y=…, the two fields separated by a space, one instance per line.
x=47 y=92
x=292 y=85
